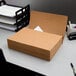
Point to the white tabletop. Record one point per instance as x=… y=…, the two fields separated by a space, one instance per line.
x=58 y=66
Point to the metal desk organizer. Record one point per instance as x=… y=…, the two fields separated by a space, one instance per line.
x=22 y=16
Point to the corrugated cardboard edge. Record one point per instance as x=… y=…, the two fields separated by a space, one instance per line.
x=55 y=49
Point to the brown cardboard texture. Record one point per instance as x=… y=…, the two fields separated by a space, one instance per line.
x=39 y=44
x=51 y=23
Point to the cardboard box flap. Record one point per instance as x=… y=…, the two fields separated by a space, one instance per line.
x=51 y=23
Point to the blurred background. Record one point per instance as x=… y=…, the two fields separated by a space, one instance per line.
x=64 y=7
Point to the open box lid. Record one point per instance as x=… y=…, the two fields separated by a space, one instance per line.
x=51 y=23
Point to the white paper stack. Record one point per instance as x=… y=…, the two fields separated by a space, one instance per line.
x=8 y=11
x=7 y=17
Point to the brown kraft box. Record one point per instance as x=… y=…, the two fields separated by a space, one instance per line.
x=40 y=44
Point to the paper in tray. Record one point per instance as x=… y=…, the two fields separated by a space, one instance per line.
x=14 y=16
x=9 y=11
x=8 y=27
x=7 y=20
